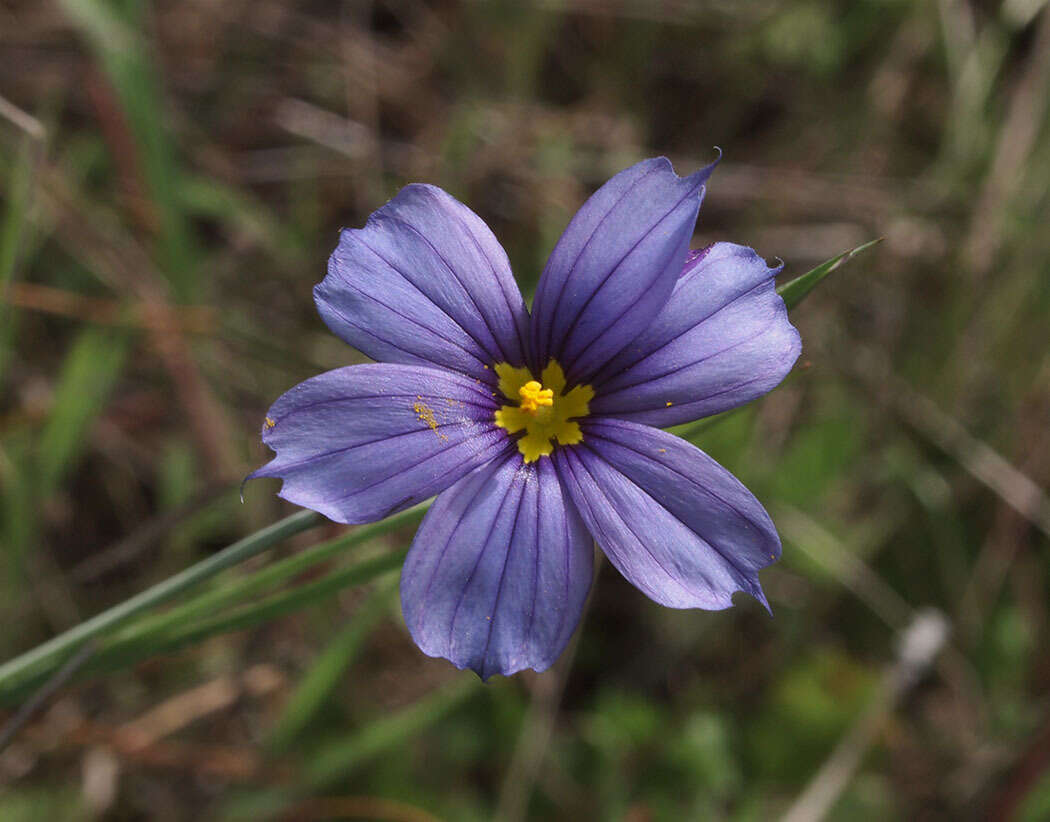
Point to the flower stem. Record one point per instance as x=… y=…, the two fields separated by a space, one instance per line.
x=212 y=602
x=164 y=591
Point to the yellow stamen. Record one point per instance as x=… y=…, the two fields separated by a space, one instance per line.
x=544 y=413
x=533 y=395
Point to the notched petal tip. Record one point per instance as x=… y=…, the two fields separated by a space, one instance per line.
x=265 y=471
x=723 y=339
x=760 y=595
x=709 y=169
x=701 y=175
x=424 y=282
x=485 y=672
x=615 y=266
x=676 y=524
x=498 y=572
x=753 y=591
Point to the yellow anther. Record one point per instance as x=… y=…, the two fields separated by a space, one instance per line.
x=533 y=395
x=543 y=416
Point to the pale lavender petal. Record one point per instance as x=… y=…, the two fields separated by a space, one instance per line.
x=499 y=571
x=425 y=282
x=615 y=266
x=675 y=523
x=722 y=339
x=359 y=443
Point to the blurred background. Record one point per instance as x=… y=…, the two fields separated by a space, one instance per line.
x=174 y=175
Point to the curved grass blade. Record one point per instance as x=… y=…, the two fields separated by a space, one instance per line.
x=133 y=647
x=798 y=289
x=334 y=760
x=321 y=679
x=272 y=575
x=43 y=659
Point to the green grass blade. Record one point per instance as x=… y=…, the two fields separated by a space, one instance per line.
x=45 y=658
x=213 y=199
x=90 y=370
x=691 y=430
x=125 y=57
x=321 y=680
x=13 y=225
x=334 y=760
x=798 y=289
x=330 y=762
x=272 y=607
x=277 y=573
x=195 y=620
x=18 y=521
x=129 y=648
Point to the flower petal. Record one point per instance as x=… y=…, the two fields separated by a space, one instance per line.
x=674 y=522
x=359 y=443
x=615 y=266
x=425 y=282
x=499 y=571
x=722 y=339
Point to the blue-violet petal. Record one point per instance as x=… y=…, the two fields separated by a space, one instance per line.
x=498 y=573
x=614 y=266
x=425 y=282
x=723 y=339
x=674 y=522
x=360 y=443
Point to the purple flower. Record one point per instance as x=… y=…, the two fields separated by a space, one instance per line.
x=539 y=431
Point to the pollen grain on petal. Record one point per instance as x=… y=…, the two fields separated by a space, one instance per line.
x=426 y=414
x=269 y=422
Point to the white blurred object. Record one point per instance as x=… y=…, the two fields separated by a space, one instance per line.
x=100 y=779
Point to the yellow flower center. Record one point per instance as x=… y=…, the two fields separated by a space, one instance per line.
x=534 y=395
x=543 y=412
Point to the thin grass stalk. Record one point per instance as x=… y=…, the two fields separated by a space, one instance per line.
x=50 y=653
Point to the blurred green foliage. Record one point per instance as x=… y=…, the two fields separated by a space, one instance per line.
x=158 y=241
